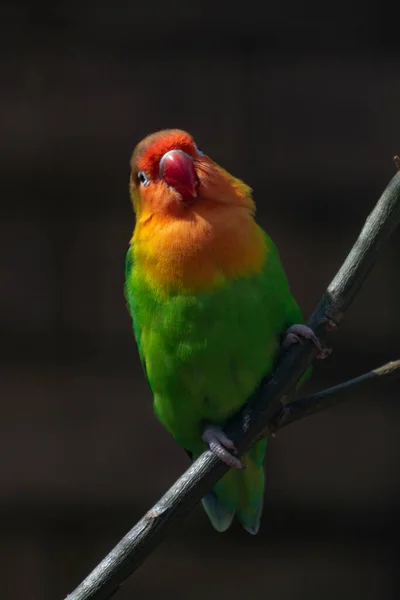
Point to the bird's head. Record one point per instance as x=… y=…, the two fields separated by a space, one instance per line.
x=170 y=177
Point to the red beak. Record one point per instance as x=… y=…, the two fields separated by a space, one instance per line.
x=177 y=170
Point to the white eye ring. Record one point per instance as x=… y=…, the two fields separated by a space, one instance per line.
x=143 y=178
x=199 y=152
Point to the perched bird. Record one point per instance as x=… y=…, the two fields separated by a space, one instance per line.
x=210 y=304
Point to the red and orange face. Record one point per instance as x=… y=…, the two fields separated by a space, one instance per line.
x=166 y=171
x=171 y=177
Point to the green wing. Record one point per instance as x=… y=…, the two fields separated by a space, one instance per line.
x=131 y=305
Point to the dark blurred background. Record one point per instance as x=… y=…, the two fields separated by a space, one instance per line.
x=302 y=103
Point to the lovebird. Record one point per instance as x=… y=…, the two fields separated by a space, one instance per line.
x=211 y=307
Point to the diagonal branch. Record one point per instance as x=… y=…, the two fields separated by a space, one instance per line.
x=257 y=415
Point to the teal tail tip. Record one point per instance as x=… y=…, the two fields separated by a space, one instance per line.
x=254 y=529
x=221 y=518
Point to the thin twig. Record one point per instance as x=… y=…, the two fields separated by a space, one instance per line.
x=308 y=405
x=256 y=416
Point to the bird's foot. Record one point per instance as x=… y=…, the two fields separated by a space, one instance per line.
x=220 y=445
x=294 y=334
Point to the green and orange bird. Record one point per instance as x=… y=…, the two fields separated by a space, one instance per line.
x=210 y=305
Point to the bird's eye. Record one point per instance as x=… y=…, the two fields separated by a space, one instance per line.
x=143 y=178
x=198 y=150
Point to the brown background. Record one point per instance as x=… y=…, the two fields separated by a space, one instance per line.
x=303 y=103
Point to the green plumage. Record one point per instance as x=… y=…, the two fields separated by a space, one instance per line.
x=203 y=356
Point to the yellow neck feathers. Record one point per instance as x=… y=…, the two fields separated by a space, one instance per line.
x=210 y=245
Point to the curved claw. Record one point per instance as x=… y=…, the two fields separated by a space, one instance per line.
x=219 y=444
x=294 y=334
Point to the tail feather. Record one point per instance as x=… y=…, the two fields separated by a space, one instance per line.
x=239 y=493
x=220 y=517
x=251 y=521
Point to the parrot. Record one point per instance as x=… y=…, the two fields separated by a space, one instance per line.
x=211 y=308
